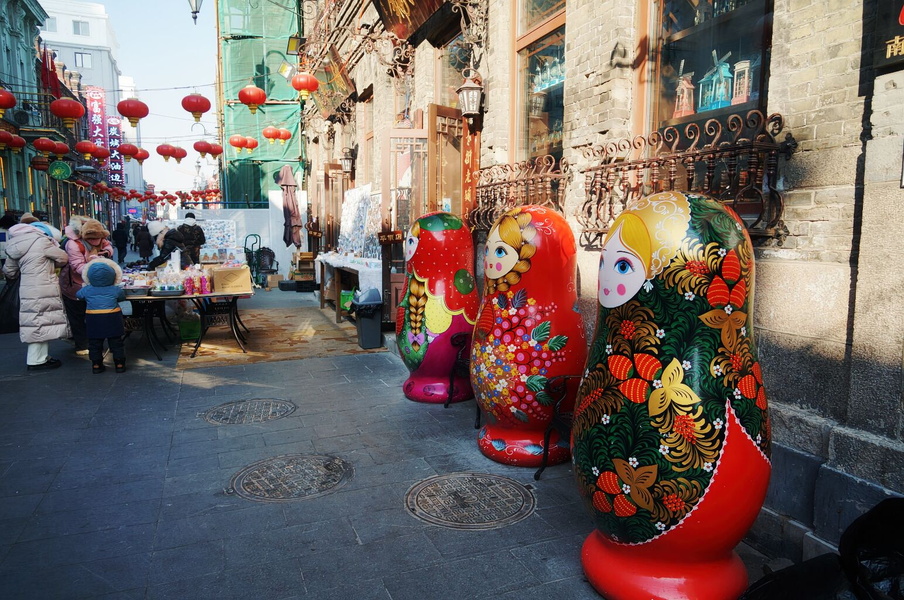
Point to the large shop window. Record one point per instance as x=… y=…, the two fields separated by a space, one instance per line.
x=542 y=79
x=713 y=58
x=534 y=12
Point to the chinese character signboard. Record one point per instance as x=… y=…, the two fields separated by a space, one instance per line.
x=114 y=137
x=97 y=117
x=403 y=17
x=889 y=39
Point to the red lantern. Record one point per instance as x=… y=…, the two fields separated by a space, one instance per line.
x=17 y=143
x=215 y=150
x=40 y=163
x=201 y=147
x=253 y=96
x=165 y=150
x=133 y=109
x=7 y=100
x=250 y=144
x=60 y=149
x=305 y=83
x=44 y=145
x=179 y=153
x=128 y=151
x=238 y=142
x=141 y=155
x=101 y=154
x=196 y=104
x=271 y=133
x=5 y=138
x=68 y=110
x=85 y=148
x=284 y=135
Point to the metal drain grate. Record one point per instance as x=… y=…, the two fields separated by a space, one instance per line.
x=243 y=412
x=291 y=477
x=470 y=501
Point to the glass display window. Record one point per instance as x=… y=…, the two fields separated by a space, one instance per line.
x=534 y=12
x=455 y=58
x=712 y=59
x=542 y=80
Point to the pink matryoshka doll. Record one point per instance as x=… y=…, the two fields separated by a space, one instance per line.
x=671 y=433
x=528 y=331
x=440 y=302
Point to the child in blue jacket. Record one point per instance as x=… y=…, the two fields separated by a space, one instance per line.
x=103 y=317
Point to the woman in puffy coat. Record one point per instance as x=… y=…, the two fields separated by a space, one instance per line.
x=33 y=253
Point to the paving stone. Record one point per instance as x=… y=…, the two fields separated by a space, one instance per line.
x=186 y=562
x=89 y=519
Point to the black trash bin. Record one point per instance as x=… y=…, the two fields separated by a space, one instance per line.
x=367 y=307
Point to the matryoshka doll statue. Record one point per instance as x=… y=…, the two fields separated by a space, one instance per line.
x=671 y=433
x=528 y=331
x=440 y=302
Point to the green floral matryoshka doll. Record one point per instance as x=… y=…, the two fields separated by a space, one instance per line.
x=671 y=433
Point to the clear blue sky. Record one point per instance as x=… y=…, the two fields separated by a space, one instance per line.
x=169 y=57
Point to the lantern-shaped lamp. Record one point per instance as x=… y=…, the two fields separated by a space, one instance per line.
x=215 y=150
x=128 y=151
x=347 y=160
x=201 y=147
x=44 y=145
x=252 y=96
x=165 y=150
x=250 y=144
x=17 y=143
x=101 y=154
x=5 y=138
x=179 y=153
x=141 y=155
x=469 y=95
x=305 y=83
x=7 y=100
x=68 y=110
x=271 y=133
x=196 y=104
x=133 y=109
x=60 y=149
x=284 y=135
x=40 y=163
x=85 y=148
x=238 y=142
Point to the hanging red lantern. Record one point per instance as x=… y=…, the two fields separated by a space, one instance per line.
x=215 y=150
x=238 y=142
x=165 y=150
x=284 y=135
x=5 y=138
x=7 y=100
x=101 y=154
x=271 y=133
x=128 y=151
x=305 y=83
x=179 y=153
x=250 y=144
x=133 y=109
x=60 y=149
x=196 y=104
x=252 y=96
x=17 y=143
x=68 y=110
x=141 y=156
x=40 y=163
x=85 y=148
x=201 y=147
x=44 y=145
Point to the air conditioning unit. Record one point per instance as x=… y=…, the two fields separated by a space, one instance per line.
x=19 y=116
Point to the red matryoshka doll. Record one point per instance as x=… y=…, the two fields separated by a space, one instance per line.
x=529 y=330
x=440 y=302
x=671 y=433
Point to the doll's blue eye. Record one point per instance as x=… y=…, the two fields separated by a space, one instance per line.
x=623 y=267
x=500 y=252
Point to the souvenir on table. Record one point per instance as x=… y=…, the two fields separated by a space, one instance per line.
x=440 y=303
x=671 y=434
x=528 y=331
x=715 y=86
x=684 y=94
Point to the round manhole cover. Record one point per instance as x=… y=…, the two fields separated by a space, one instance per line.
x=291 y=477
x=244 y=412
x=470 y=501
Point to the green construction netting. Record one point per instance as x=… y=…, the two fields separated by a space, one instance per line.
x=254 y=37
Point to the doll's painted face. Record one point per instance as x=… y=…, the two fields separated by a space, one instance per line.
x=410 y=246
x=499 y=257
x=621 y=273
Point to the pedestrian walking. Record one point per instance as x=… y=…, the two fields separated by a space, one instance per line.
x=193 y=237
x=133 y=237
x=145 y=243
x=103 y=317
x=121 y=241
x=86 y=241
x=33 y=253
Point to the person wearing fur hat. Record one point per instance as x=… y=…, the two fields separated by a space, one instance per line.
x=168 y=240
x=103 y=317
x=33 y=253
x=193 y=237
x=86 y=242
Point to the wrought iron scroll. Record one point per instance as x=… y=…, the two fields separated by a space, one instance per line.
x=735 y=160
x=473 y=27
x=540 y=180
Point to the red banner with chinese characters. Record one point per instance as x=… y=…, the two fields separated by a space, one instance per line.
x=470 y=164
x=97 y=116
x=116 y=176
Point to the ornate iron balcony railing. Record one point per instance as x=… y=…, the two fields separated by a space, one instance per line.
x=736 y=162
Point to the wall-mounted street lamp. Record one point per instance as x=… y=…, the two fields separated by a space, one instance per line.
x=470 y=95
x=296 y=45
x=347 y=160
x=195 y=6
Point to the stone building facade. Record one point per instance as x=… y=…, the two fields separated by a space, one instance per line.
x=828 y=322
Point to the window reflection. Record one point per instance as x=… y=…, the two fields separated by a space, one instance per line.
x=542 y=76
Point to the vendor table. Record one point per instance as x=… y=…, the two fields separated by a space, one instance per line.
x=339 y=272
x=218 y=308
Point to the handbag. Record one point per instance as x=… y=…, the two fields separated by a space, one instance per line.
x=9 y=306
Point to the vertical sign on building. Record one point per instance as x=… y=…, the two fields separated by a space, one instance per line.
x=470 y=164
x=97 y=116
x=114 y=137
x=888 y=53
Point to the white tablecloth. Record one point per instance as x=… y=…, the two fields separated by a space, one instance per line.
x=370 y=271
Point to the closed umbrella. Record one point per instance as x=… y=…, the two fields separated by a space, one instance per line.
x=292 y=223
